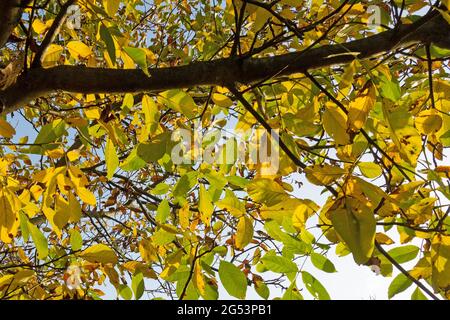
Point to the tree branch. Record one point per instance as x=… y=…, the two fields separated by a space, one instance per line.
x=51 y=34
x=40 y=82
x=10 y=12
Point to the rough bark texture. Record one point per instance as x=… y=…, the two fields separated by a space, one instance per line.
x=40 y=82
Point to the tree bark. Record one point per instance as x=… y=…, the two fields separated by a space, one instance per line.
x=10 y=12
x=222 y=72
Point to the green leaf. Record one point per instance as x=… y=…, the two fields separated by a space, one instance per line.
x=391 y=90
x=160 y=189
x=292 y=293
x=262 y=289
x=139 y=57
x=106 y=37
x=125 y=292
x=138 y=285
x=40 y=241
x=155 y=150
x=404 y=254
x=111 y=159
x=323 y=263
x=163 y=211
x=133 y=162
x=418 y=295
x=184 y=184
x=24 y=226
x=76 y=241
x=233 y=279
x=314 y=286
x=399 y=284
x=279 y=264
x=48 y=134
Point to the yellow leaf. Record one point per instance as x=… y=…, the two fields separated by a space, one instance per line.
x=136 y=266
x=74 y=208
x=148 y=251
x=52 y=55
x=266 y=191
x=92 y=113
x=36 y=191
x=347 y=77
x=86 y=196
x=334 y=122
x=62 y=212
x=6 y=130
x=55 y=153
x=50 y=215
x=323 y=175
x=301 y=215
x=370 y=170
x=232 y=204
x=99 y=253
x=205 y=206
x=428 y=121
x=78 y=50
x=111 y=159
x=183 y=216
x=381 y=238
x=151 y=116
x=38 y=26
x=111 y=7
x=244 y=232
x=405 y=137
x=199 y=280
x=73 y=155
x=281 y=211
x=9 y=221
x=222 y=100
x=261 y=17
x=359 y=109
x=440 y=259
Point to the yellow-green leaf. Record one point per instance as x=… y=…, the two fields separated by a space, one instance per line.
x=111 y=159
x=355 y=223
x=266 y=191
x=86 y=196
x=99 y=253
x=244 y=232
x=205 y=206
x=323 y=175
x=428 y=121
x=370 y=170
x=6 y=130
x=334 y=122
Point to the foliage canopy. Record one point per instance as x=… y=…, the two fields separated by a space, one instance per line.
x=92 y=92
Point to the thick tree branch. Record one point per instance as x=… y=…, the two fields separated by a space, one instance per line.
x=432 y=28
